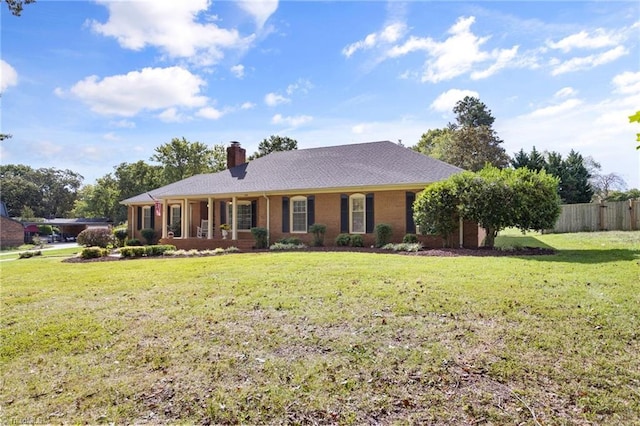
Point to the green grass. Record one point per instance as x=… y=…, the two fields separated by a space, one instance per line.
x=347 y=338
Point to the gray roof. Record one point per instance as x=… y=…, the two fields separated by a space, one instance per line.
x=371 y=164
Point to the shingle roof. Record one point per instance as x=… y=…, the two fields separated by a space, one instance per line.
x=344 y=166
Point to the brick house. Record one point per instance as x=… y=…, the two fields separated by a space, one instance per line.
x=348 y=188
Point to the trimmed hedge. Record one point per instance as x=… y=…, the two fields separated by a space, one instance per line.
x=140 y=251
x=96 y=237
x=94 y=252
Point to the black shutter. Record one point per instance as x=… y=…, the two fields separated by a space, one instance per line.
x=223 y=212
x=344 y=213
x=153 y=217
x=369 y=213
x=311 y=214
x=139 y=218
x=285 y=214
x=254 y=213
x=410 y=224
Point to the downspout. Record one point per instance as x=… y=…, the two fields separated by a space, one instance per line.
x=461 y=231
x=268 y=218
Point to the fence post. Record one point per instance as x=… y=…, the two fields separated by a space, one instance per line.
x=601 y=216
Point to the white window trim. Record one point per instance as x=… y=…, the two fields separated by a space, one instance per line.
x=230 y=213
x=306 y=207
x=144 y=210
x=364 y=222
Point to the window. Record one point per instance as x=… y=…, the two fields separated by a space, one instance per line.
x=175 y=220
x=146 y=217
x=299 y=214
x=244 y=215
x=357 y=214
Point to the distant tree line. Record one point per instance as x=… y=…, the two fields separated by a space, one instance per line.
x=46 y=193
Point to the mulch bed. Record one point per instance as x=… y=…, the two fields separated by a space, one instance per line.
x=443 y=252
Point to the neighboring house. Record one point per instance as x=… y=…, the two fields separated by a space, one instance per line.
x=70 y=228
x=11 y=231
x=348 y=188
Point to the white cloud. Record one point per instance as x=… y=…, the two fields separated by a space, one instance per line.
x=293 y=121
x=247 y=105
x=260 y=10
x=273 y=99
x=627 y=83
x=111 y=137
x=149 y=89
x=583 y=40
x=359 y=129
x=459 y=54
x=391 y=33
x=8 y=76
x=125 y=124
x=566 y=106
x=447 y=100
x=565 y=92
x=210 y=113
x=587 y=62
x=238 y=71
x=170 y=26
x=171 y=115
x=300 y=86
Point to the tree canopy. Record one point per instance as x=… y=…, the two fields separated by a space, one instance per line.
x=469 y=143
x=181 y=159
x=494 y=198
x=635 y=118
x=16 y=6
x=274 y=143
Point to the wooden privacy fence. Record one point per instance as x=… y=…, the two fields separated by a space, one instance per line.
x=605 y=216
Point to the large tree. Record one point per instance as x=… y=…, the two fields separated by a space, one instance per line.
x=494 y=198
x=16 y=6
x=470 y=142
x=181 y=159
x=48 y=192
x=274 y=143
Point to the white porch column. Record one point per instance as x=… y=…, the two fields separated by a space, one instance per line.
x=165 y=218
x=209 y=218
x=185 y=221
x=234 y=214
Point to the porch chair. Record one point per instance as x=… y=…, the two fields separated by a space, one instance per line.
x=202 y=231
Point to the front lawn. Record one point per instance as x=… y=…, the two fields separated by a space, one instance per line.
x=322 y=337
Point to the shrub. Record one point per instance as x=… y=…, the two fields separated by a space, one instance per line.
x=411 y=247
x=99 y=237
x=93 y=252
x=120 y=235
x=45 y=229
x=343 y=240
x=29 y=254
x=357 y=241
x=286 y=246
x=133 y=251
x=149 y=234
x=290 y=240
x=410 y=238
x=133 y=242
x=383 y=234
x=318 y=230
x=152 y=250
x=260 y=235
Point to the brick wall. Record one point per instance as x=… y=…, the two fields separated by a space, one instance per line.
x=11 y=233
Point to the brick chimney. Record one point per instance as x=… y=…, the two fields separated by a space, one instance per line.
x=236 y=155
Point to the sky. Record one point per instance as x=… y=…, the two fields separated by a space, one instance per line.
x=87 y=85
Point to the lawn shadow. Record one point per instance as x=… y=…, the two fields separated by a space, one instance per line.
x=589 y=256
x=585 y=256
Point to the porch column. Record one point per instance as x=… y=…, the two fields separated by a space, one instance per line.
x=209 y=218
x=234 y=213
x=185 y=220
x=165 y=218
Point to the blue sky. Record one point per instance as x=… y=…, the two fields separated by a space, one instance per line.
x=89 y=85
